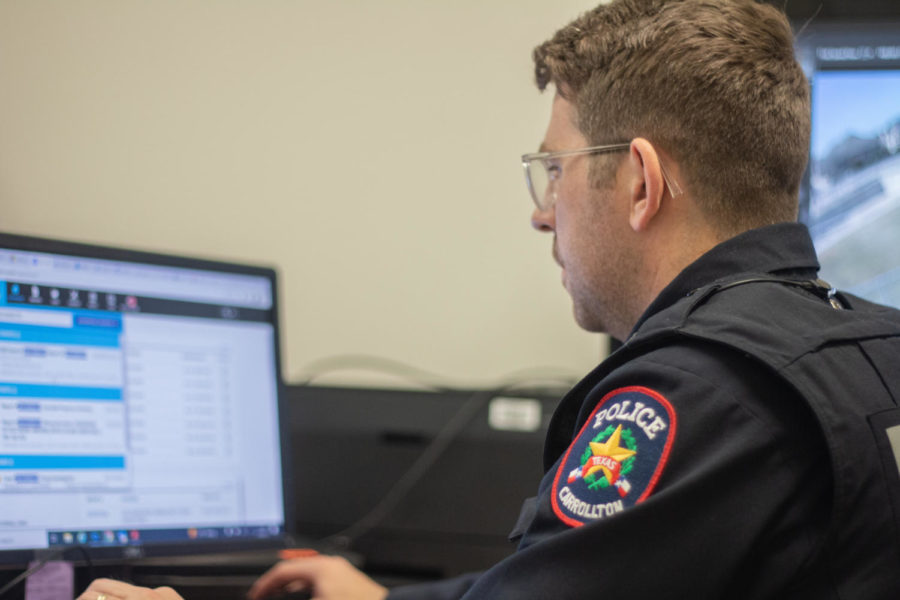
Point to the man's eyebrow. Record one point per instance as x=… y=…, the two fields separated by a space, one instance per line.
x=544 y=147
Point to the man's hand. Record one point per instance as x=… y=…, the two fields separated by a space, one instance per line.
x=109 y=589
x=327 y=577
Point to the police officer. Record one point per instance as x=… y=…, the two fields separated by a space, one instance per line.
x=739 y=444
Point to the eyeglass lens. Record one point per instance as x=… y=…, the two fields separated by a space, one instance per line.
x=542 y=178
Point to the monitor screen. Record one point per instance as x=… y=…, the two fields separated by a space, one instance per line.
x=851 y=199
x=139 y=403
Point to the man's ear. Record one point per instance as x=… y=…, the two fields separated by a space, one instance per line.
x=647 y=184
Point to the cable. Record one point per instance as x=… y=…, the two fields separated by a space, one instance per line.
x=421 y=377
x=40 y=564
x=345 y=538
x=808 y=21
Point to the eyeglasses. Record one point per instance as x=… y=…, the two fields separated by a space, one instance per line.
x=543 y=170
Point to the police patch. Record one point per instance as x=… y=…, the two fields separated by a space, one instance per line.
x=616 y=458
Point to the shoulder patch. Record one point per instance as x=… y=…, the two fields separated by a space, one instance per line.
x=617 y=457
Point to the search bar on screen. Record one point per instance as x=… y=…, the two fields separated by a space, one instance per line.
x=25 y=316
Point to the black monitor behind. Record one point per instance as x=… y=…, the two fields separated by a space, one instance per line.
x=824 y=10
x=351 y=446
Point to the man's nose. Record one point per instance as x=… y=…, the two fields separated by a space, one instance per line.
x=544 y=219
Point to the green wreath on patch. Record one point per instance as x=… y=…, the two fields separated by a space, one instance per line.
x=598 y=480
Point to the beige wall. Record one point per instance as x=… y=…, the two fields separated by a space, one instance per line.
x=368 y=149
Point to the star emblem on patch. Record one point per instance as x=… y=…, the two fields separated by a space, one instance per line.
x=616 y=458
x=605 y=463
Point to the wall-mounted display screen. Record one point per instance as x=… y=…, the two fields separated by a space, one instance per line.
x=851 y=200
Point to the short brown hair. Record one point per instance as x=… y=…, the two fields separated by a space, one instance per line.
x=714 y=83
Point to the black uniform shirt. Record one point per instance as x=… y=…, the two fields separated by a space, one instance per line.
x=687 y=472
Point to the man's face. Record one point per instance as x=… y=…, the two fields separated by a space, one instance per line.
x=590 y=225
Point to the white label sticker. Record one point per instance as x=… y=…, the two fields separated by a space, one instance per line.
x=514 y=414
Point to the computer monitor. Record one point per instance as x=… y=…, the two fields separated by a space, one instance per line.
x=851 y=197
x=140 y=408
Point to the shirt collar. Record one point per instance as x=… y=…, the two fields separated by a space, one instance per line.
x=784 y=249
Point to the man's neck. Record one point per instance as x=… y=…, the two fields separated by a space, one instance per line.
x=671 y=252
